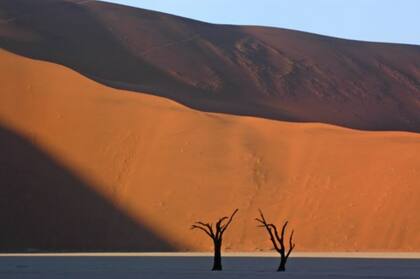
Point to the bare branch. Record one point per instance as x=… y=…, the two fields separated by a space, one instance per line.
x=219 y=227
x=201 y=228
x=207 y=227
x=262 y=216
x=291 y=244
x=278 y=240
x=281 y=237
x=283 y=230
x=224 y=227
x=219 y=223
x=269 y=228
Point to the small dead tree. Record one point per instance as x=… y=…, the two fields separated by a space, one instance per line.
x=216 y=235
x=278 y=240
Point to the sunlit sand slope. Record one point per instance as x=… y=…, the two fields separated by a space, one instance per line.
x=167 y=166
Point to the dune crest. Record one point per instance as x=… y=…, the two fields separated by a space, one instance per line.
x=167 y=165
x=243 y=70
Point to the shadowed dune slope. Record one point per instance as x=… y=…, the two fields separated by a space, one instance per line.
x=256 y=71
x=167 y=165
x=44 y=207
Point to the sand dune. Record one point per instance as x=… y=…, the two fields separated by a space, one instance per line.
x=266 y=72
x=166 y=165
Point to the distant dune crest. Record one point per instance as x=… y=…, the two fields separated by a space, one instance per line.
x=256 y=71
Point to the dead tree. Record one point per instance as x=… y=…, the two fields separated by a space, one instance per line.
x=216 y=235
x=278 y=240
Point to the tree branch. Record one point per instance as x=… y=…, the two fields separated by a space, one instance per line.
x=224 y=227
x=283 y=230
x=201 y=228
x=276 y=233
x=219 y=227
x=281 y=240
x=269 y=228
x=208 y=228
x=291 y=245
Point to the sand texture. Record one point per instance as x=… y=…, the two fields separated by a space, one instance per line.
x=266 y=72
x=87 y=167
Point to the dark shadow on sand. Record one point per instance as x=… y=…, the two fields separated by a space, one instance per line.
x=209 y=75
x=45 y=207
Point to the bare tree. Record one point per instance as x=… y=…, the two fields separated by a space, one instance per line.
x=278 y=240
x=216 y=235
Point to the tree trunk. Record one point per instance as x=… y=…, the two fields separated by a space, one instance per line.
x=282 y=266
x=217 y=265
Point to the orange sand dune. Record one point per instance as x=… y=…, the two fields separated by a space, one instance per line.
x=272 y=73
x=166 y=165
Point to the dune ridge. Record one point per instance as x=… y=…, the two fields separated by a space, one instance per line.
x=244 y=70
x=167 y=165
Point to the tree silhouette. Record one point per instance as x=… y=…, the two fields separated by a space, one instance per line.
x=216 y=235
x=278 y=240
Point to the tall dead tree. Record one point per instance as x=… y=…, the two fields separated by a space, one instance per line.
x=278 y=240
x=216 y=235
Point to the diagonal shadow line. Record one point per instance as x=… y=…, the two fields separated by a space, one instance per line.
x=45 y=207
x=74 y=36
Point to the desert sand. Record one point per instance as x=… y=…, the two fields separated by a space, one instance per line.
x=244 y=70
x=150 y=162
